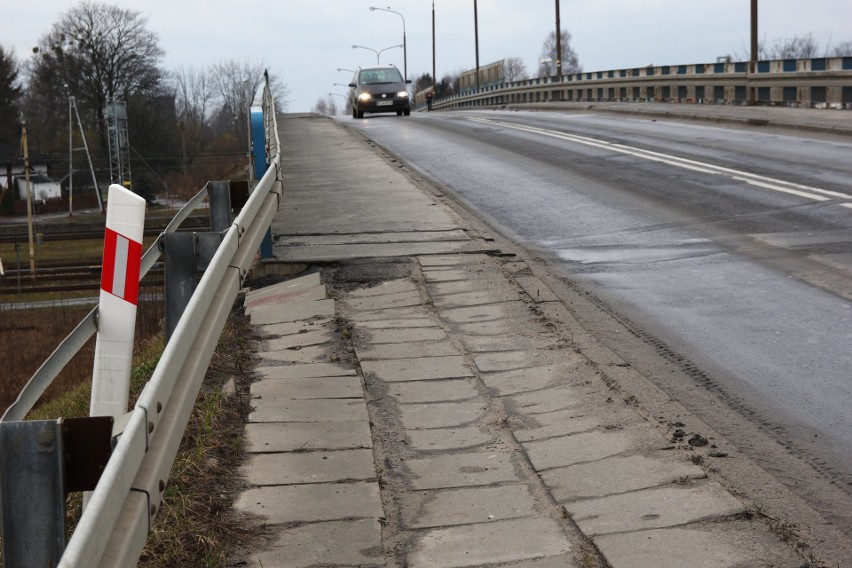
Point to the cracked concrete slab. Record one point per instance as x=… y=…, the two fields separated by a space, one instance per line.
x=299 y=284
x=306 y=389
x=390 y=314
x=489 y=543
x=326 y=410
x=396 y=300
x=421 y=369
x=384 y=288
x=423 y=323
x=440 y=415
x=417 y=349
x=433 y=391
x=291 y=297
x=618 y=474
x=330 y=253
x=443 y=439
x=301 y=436
x=591 y=446
x=311 y=503
x=530 y=379
x=293 y=327
x=485 y=343
x=716 y=546
x=308 y=354
x=471 y=505
x=408 y=335
x=654 y=508
x=321 y=466
x=451 y=260
x=507 y=360
x=316 y=337
x=445 y=275
x=366 y=238
x=461 y=470
x=290 y=312
x=573 y=421
x=474 y=298
x=305 y=371
x=334 y=543
x=478 y=314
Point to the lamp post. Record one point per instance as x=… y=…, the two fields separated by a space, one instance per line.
x=434 y=77
x=476 y=40
x=345 y=69
x=378 y=53
x=558 y=44
x=404 y=44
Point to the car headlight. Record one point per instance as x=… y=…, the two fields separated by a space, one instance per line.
x=364 y=97
x=402 y=94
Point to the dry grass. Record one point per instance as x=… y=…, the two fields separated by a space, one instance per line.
x=30 y=336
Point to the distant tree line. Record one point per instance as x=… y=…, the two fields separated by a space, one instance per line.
x=184 y=125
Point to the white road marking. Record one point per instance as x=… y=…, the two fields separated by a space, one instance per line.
x=809 y=192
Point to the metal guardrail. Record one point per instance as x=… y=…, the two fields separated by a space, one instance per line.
x=120 y=512
x=800 y=82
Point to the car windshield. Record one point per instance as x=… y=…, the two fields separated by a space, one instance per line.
x=376 y=76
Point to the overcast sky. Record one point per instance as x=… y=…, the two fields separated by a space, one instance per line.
x=305 y=41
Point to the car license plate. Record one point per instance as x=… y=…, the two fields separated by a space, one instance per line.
x=384 y=103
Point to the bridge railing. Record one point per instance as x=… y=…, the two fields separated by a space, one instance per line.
x=120 y=512
x=818 y=82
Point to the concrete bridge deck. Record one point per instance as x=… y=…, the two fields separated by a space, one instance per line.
x=425 y=400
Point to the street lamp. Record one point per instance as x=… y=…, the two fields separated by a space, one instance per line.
x=378 y=53
x=345 y=69
x=404 y=44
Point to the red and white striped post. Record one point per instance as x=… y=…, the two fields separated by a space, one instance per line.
x=125 y=221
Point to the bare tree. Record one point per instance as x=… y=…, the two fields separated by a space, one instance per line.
x=842 y=49
x=194 y=95
x=794 y=47
x=321 y=107
x=514 y=70
x=237 y=83
x=570 y=61
x=10 y=95
x=96 y=52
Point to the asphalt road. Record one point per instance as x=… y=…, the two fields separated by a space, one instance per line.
x=729 y=250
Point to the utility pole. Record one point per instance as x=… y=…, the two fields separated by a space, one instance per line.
x=434 y=76
x=755 y=48
x=70 y=158
x=29 y=198
x=476 y=39
x=558 y=43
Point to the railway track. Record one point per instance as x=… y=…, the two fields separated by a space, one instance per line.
x=67 y=277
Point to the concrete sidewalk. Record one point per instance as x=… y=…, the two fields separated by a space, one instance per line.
x=418 y=406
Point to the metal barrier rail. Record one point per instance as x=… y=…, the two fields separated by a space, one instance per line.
x=808 y=82
x=113 y=528
x=140 y=464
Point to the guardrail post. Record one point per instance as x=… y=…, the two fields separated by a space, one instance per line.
x=179 y=276
x=32 y=492
x=219 y=193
